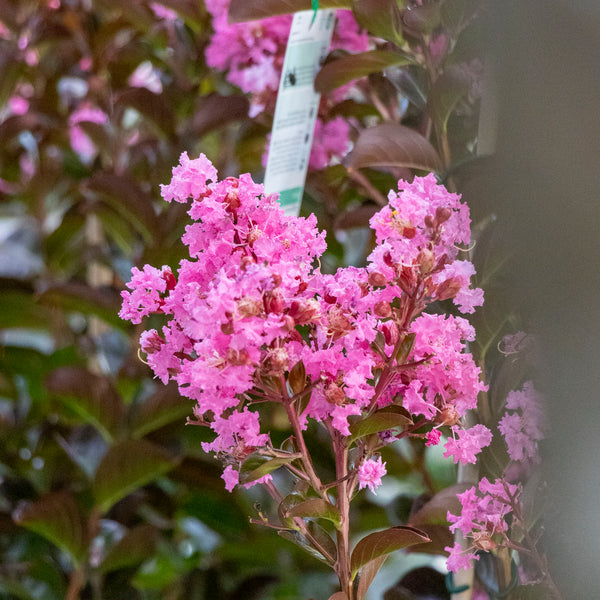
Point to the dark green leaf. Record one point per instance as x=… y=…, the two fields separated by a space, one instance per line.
x=347 y=68
x=315 y=508
x=136 y=546
x=381 y=18
x=19 y=309
x=252 y=10
x=91 y=396
x=59 y=519
x=384 y=542
x=163 y=407
x=392 y=145
x=380 y=421
x=126 y=466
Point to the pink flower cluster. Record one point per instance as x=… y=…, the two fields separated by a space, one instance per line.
x=251 y=54
x=250 y=304
x=482 y=520
x=524 y=424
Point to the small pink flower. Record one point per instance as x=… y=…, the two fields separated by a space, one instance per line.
x=230 y=477
x=370 y=473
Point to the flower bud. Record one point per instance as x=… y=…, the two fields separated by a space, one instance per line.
x=483 y=541
x=448 y=416
x=232 y=200
x=169 y=278
x=303 y=311
x=390 y=332
x=329 y=298
x=273 y=302
x=382 y=309
x=429 y=221
x=376 y=279
x=426 y=260
x=442 y=214
x=448 y=289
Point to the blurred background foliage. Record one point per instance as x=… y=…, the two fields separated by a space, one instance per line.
x=104 y=493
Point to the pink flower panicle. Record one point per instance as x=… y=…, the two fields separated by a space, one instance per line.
x=482 y=520
x=523 y=424
x=252 y=54
x=233 y=310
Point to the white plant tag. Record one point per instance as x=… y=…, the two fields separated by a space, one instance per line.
x=297 y=107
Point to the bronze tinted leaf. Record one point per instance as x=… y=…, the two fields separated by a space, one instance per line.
x=126 y=466
x=384 y=542
x=393 y=145
x=91 y=396
x=347 y=68
x=381 y=18
x=59 y=519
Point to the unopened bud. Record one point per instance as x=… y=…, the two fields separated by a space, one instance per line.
x=376 y=279
x=382 y=309
x=276 y=277
x=429 y=221
x=442 y=214
x=448 y=416
x=169 y=278
x=426 y=260
x=448 y=289
x=273 y=302
x=303 y=311
x=483 y=541
x=232 y=200
x=390 y=332
x=329 y=298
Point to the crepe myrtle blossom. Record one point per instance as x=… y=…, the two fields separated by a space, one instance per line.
x=482 y=520
x=249 y=318
x=370 y=473
x=523 y=424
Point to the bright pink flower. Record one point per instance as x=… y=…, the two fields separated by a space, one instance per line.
x=189 y=179
x=467 y=443
x=370 y=473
